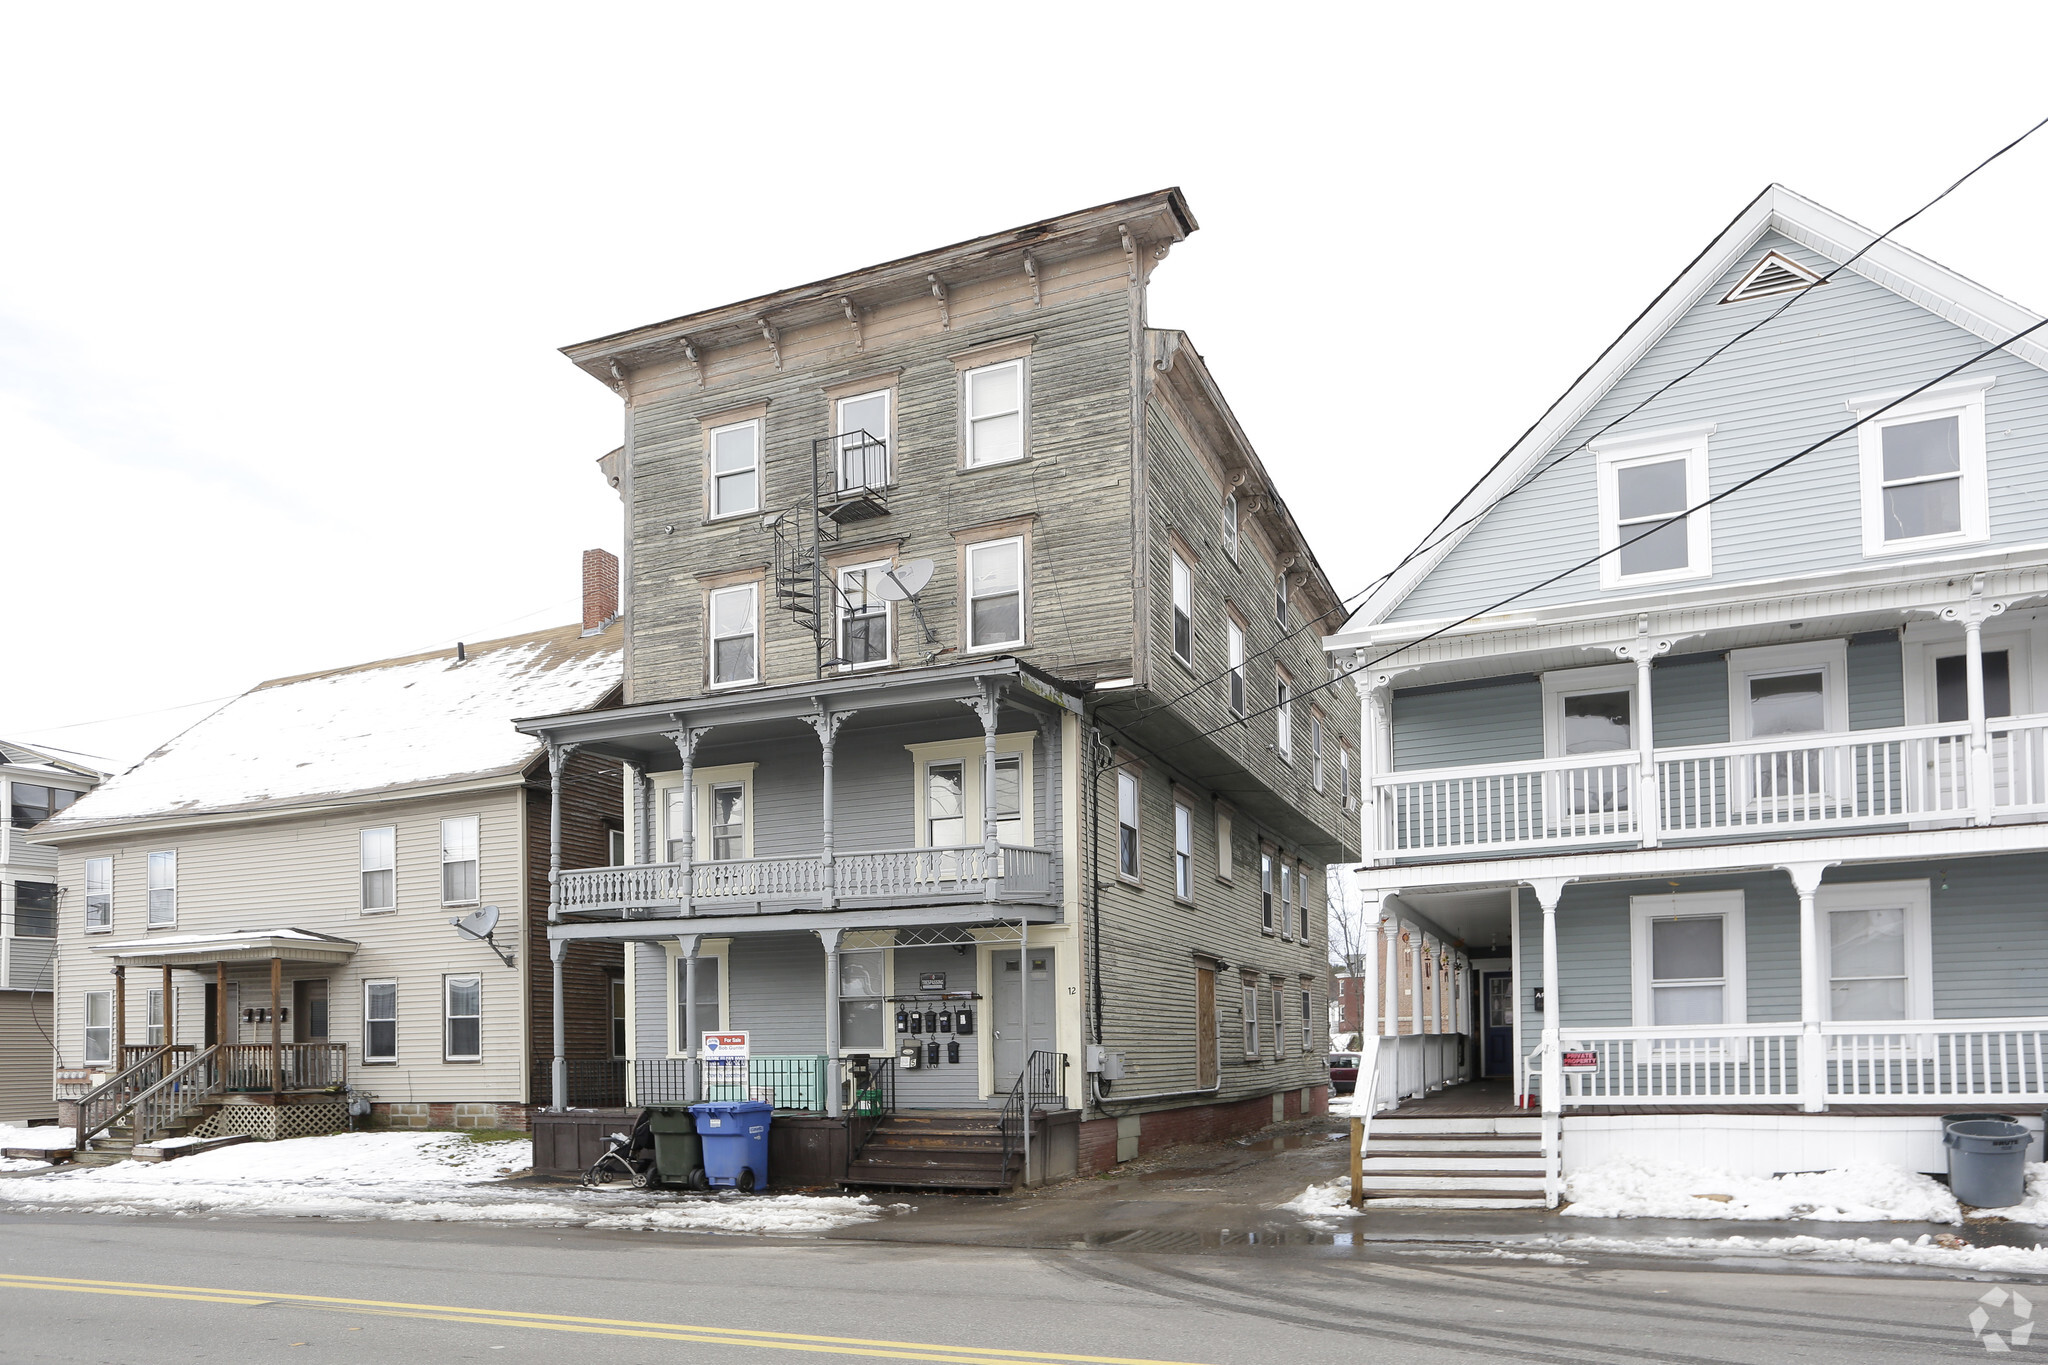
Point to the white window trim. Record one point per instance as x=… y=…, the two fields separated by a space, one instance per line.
x=1023 y=595
x=153 y=1003
x=724 y=775
x=969 y=753
x=1238 y=688
x=362 y=872
x=1137 y=828
x=1962 y=399
x=1576 y=682
x=1734 y=948
x=711 y=638
x=1285 y=868
x=1828 y=657
x=1231 y=518
x=711 y=948
x=1651 y=447
x=448 y=1018
x=369 y=1060
x=840 y=616
x=441 y=866
x=108 y=926
x=87 y=1028
x=1253 y=1043
x=1918 y=901
x=1183 y=852
x=1926 y=641
x=1283 y=715
x=150 y=921
x=887 y=434
x=1182 y=575
x=1022 y=365
x=1269 y=890
x=712 y=511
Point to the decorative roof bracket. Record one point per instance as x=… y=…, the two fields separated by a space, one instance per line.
x=1130 y=250
x=774 y=340
x=690 y=354
x=853 y=321
x=945 y=311
x=619 y=385
x=1031 y=269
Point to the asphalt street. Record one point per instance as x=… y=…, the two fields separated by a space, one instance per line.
x=105 y=1289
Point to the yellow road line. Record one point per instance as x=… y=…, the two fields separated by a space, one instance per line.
x=561 y=1322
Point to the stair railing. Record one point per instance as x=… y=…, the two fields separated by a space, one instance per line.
x=100 y=1106
x=872 y=1103
x=1041 y=1084
x=181 y=1091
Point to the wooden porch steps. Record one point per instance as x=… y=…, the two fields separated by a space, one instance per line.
x=117 y=1143
x=1454 y=1162
x=935 y=1150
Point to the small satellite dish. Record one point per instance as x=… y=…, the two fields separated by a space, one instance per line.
x=904 y=582
x=481 y=923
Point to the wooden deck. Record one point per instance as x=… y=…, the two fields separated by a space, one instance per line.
x=1495 y=1097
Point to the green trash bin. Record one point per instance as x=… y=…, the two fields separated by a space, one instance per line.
x=678 y=1151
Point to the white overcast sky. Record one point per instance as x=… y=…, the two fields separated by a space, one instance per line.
x=281 y=287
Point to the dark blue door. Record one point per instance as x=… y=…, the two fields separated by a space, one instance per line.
x=1497 y=1000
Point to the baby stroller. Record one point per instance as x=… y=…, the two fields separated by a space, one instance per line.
x=629 y=1158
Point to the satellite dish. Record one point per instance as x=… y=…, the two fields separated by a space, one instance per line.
x=904 y=582
x=480 y=923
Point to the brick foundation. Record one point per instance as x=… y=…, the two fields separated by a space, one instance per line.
x=456 y=1114
x=1162 y=1128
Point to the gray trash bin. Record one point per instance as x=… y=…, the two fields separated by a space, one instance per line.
x=1987 y=1162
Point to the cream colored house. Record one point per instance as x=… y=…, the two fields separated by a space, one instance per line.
x=275 y=889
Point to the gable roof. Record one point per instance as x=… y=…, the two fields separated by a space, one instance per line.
x=390 y=726
x=1889 y=265
x=60 y=762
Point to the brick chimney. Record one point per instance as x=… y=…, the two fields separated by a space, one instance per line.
x=600 y=590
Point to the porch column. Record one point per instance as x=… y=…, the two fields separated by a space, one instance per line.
x=686 y=741
x=120 y=1058
x=1389 y=953
x=1515 y=988
x=686 y=959
x=170 y=1011
x=827 y=724
x=276 y=1029
x=1377 y=695
x=643 y=817
x=558 y=1070
x=830 y=939
x=1548 y=892
x=1972 y=615
x=1366 y=967
x=1415 y=983
x=558 y=756
x=220 y=1004
x=986 y=707
x=1813 y=1057
x=1641 y=651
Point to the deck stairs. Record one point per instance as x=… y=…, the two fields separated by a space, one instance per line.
x=117 y=1143
x=936 y=1150
x=1427 y=1161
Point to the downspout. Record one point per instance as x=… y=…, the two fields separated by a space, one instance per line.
x=625 y=392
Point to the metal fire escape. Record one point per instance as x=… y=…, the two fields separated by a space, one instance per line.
x=856 y=491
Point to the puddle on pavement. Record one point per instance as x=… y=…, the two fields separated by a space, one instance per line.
x=1204 y=1239
x=1279 y=1144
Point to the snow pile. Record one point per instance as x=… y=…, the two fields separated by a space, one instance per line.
x=417 y=1177
x=46 y=1138
x=1630 y=1187
x=1320 y=1203
x=1921 y=1251
x=10 y=1163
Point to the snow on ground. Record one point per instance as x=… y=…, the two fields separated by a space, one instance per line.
x=420 y=1177
x=1630 y=1187
x=43 y=1137
x=1921 y=1251
x=1320 y=1203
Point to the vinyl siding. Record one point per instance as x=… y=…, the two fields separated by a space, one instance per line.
x=1689 y=700
x=28 y=964
x=777 y=992
x=24 y=1057
x=948 y=1084
x=1499 y=722
x=1773 y=394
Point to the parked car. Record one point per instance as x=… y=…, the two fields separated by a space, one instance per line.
x=1343 y=1072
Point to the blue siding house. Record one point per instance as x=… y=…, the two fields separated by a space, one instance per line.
x=1716 y=827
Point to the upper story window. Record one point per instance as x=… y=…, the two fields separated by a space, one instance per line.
x=864 y=637
x=1301 y=898
x=728 y=822
x=1315 y=748
x=1283 y=714
x=35 y=909
x=1236 y=633
x=995 y=413
x=163 y=888
x=1183 y=851
x=99 y=895
x=735 y=646
x=863 y=444
x=32 y=804
x=1923 y=469
x=1645 y=480
x=379 y=859
x=1223 y=824
x=1344 y=775
x=1266 y=890
x=459 y=860
x=736 y=468
x=1230 y=526
x=1280 y=598
x=995 y=593
x=1286 y=897
x=1127 y=823
x=1183 y=610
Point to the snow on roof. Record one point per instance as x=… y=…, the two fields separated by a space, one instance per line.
x=56 y=762
x=229 y=938
x=374 y=727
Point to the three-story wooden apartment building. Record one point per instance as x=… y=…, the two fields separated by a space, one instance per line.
x=965 y=776
x=1709 y=752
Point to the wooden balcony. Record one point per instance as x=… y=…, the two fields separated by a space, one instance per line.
x=873 y=879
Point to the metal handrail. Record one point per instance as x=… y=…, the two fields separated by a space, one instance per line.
x=867 y=1116
x=1040 y=1081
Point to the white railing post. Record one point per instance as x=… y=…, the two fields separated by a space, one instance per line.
x=1549 y=891
x=1374 y=756
x=1641 y=651
x=1813 y=1058
x=1972 y=614
x=686 y=741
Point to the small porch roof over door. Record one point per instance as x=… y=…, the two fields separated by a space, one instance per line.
x=237 y=945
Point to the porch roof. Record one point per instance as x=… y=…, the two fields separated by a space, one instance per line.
x=235 y=945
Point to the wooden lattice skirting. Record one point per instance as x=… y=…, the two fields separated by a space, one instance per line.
x=268 y=1123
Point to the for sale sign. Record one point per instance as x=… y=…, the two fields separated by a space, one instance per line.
x=1582 y=1061
x=724 y=1045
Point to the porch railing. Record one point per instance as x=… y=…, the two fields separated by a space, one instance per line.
x=1979 y=1060
x=794 y=1082
x=757 y=879
x=602 y=887
x=182 y=1091
x=1755 y=1063
x=1816 y=780
x=1521 y=805
x=1017 y=872
x=873 y=1101
x=593 y=1083
x=246 y=1067
x=100 y=1106
x=1040 y=1085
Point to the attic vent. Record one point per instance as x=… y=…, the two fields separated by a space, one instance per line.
x=1774 y=274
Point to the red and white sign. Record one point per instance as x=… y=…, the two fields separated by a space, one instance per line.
x=1581 y=1061
x=724 y=1045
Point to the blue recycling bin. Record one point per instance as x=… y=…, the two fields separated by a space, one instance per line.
x=735 y=1137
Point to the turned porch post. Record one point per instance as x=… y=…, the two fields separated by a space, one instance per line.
x=986 y=707
x=558 y=758
x=1641 y=652
x=829 y=938
x=1972 y=615
x=1548 y=892
x=220 y=1004
x=1813 y=1057
x=827 y=724
x=120 y=1057
x=276 y=1029
x=686 y=741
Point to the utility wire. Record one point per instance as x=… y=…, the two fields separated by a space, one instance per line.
x=1432 y=539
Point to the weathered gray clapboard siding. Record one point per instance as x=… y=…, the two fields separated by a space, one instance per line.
x=1877 y=681
x=24 y=1058
x=777 y=992
x=1773 y=394
x=651 y=1020
x=1689 y=700
x=1990 y=956
x=1076 y=483
x=949 y=1083
x=1497 y=721
x=28 y=964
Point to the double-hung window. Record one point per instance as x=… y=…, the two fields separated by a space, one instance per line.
x=1315 y=748
x=995 y=594
x=1236 y=633
x=1301 y=899
x=1923 y=468
x=99 y=894
x=1688 y=959
x=862 y=996
x=1645 y=481
x=735 y=637
x=1286 y=898
x=163 y=888
x=379 y=856
x=863 y=441
x=1183 y=611
x=863 y=616
x=459 y=860
x=1223 y=838
x=1344 y=775
x=1308 y=1024
x=1230 y=526
x=1283 y=714
x=1183 y=851
x=99 y=1027
x=1010 y=800
x=1127 y=823
x=380 y=1021
x=1279 y=1017
x=35 y=909
x=945 y=804
x=1280 y=598
x=1876 y=950
x=736 y=468
x=464 y=1014
x=1251 y=1016
x=1266 y=890
x=995 y=413
x=728 y=822
x=153 y=1016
